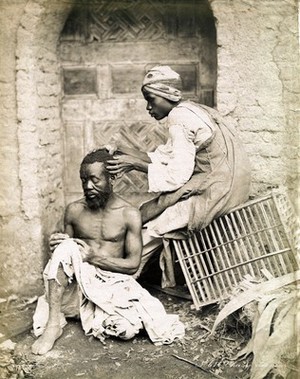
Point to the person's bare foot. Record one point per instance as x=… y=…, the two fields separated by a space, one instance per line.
x=46 y=341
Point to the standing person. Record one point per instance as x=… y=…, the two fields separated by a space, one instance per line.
x=89 y=273
x=200 y=173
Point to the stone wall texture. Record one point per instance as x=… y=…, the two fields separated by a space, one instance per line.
x=257 y=88
x=31 y=144
x=258 y=84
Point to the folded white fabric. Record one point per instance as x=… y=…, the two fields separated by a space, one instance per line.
x=112 y=304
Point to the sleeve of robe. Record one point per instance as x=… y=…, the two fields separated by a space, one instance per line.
x=221 y=188
x=172 y=164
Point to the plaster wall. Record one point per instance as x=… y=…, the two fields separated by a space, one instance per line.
x=257 y=87
x=31 y=143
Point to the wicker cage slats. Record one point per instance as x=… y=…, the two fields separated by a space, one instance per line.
x=196 y=298
x=249 y=252
x=240 y=245
x=291 y=226
x=207 y=282
x=290 y=223
x=274 y=243
x=259 y=235
x=279 y=243
x=194 y=270
x=230 y=245
x=219 y=256
x=197 y=292
x=254 y=243
x=207 y=263
x=226 y=254
x=260 y=238
x=219 y=279
x=207 y=258
x=264 y=232
x=194 y=250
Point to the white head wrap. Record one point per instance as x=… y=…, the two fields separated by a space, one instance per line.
x=163 y=81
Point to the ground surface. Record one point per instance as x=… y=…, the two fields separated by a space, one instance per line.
x=77 y=356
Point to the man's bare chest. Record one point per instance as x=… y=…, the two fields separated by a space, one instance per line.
x=105 y=226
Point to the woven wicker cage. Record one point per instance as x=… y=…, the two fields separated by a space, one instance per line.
x=260 y=238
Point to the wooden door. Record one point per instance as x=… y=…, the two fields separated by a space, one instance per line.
x=105 y=50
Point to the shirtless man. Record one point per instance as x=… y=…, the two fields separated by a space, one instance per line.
x=107 y=230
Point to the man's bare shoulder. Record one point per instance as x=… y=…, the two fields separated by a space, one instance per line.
x=76 y=207
x=130 y=212
x=132 y=216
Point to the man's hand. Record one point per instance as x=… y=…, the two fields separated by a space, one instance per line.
x=120 y=164
x=111 y=148
x=87 y=253
x=56 y=238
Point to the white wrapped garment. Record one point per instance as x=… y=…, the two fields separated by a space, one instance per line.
x=109 y=304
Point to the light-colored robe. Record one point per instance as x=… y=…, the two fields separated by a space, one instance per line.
x=221 y=177
x=172 y=164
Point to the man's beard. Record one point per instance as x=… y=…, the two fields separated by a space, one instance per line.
x=99 y=201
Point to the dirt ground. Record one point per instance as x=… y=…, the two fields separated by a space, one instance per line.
x=77 y=356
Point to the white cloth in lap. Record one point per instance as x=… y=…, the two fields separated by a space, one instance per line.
x=111 y=303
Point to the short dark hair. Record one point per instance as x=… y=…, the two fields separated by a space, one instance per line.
x=99 y=155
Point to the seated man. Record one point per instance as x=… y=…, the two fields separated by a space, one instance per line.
x=100 y=248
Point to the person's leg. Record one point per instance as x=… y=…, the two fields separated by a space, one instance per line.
x=171 y=219
x=151 y=246
x=53 y=328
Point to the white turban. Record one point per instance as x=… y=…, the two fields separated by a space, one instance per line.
x=163 y=81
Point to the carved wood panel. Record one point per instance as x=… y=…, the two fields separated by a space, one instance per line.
x=158 y=28
x=133 y=20
x=144 y=136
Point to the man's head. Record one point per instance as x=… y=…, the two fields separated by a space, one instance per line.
x=162 y=91
x=95 y=178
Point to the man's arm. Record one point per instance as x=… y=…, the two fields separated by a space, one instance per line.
x=134 y=153
x=56 y=238
x=132 y=247
x=123 y=163
x=69 y=215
